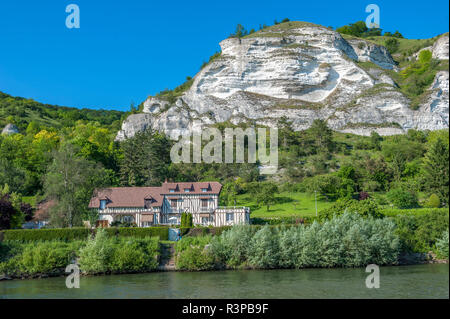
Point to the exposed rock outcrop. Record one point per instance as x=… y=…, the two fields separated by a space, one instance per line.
x=10 y=129
x=304 y=72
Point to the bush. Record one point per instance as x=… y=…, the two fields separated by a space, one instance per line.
x=232 y=247
x=392 y=45
x=192 y=254
x=264 y=248
x=108 y=254
x=96 y=256
x=433 y=201
x=420 y=232
x=365 y=208
x=402 y=198
x=135 y=254
x=344 y=241
x=195 y=258
x=38 y=258
x=442 y=246
x=64 y=234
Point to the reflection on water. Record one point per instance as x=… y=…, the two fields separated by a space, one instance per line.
x=421 y=281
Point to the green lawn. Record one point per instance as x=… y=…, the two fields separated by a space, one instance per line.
x=288 y=204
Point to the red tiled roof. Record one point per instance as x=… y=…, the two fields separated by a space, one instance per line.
x=126 y=196
x=42 y=210
x=135 y=196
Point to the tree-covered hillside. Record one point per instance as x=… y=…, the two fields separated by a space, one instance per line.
x=22 y=112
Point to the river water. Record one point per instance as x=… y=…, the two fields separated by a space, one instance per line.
x=419 y=281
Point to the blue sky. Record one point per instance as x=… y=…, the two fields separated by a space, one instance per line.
x=127 y=50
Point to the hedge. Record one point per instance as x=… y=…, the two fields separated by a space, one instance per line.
x=65 y=234
x=285 y=220
x=217 y=231
x=202 y=231
x=80 y=233
x=161 y=232
x=391 y=212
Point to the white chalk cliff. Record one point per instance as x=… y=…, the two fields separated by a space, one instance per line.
x=303 y=72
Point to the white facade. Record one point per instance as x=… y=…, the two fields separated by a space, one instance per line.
x=203 y=207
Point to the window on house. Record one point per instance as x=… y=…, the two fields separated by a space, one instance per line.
x=173 y=203
x=148 y=203
x=204 y=203
x=172 y=190
x=230 y=217
x=187 y=190
x=205 y=220
x=204 y=190
x=103 y=204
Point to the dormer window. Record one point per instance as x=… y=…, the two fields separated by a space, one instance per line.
x=204 y=190
x=103 y=204
x=148 y=202
x=172 y=190
x=187 y=190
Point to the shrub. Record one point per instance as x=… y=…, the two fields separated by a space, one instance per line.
x=442 y=246
x=402 y=198
x=191 y=254
x=45 y=257
x=232 y=247
x=34 y=258
x=364 y=208
x=96 y=256
x=420 y=232
x=433 y=201
x=392 y=45
x=264 y=248
x=135 y=254
x=108 y=254
x=195 y=258
x=344 y=241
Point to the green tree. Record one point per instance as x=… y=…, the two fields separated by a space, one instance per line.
x=145 y=159
x=239 y=32
x=392 y=45
x=436 y=171
x=402 y=198
x=70 y=182
x=322 y=136
x=265 y=194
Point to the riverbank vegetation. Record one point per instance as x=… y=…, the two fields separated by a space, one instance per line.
x=345 y=241
x=100 y=254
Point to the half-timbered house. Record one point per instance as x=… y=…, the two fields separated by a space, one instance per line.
x=149 y=206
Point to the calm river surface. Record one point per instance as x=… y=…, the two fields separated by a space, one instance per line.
x=420 y=281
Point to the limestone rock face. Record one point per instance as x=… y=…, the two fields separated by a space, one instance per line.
x=440 y=48
x=10 y=129
x=303 y=72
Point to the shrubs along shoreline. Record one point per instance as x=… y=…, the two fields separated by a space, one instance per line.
x=347 y=240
